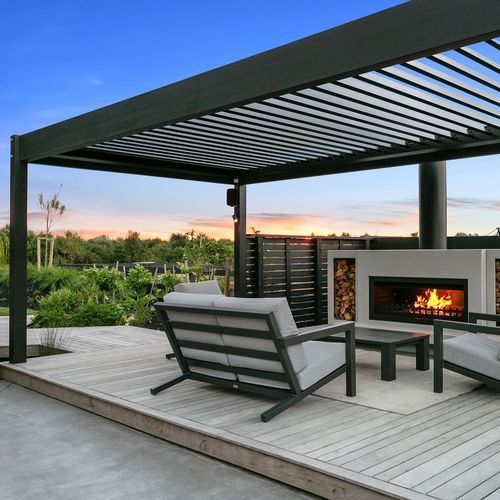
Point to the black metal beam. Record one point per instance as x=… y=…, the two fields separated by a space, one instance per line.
x=125 y=164
x=432 y=205
x=405 y=32
x=240 y=241
x=18 y=254
x=488 y=146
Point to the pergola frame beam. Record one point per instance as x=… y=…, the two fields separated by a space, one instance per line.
x=407 y=31
x=125 y=164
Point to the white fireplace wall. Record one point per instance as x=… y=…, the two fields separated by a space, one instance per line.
x=491 y=303
x=465 y=264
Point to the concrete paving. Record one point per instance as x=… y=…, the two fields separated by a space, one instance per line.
x=52 y=450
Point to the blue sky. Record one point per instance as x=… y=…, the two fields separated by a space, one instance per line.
x=60 y=59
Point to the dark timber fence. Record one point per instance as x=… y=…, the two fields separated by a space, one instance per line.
x=295 y=267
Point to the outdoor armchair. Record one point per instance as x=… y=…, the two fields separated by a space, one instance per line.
x=253 y=345
x=471 y=354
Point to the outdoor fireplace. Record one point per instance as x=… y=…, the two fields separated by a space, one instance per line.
x=417 y=300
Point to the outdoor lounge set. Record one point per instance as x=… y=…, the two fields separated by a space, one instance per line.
x=254 y=345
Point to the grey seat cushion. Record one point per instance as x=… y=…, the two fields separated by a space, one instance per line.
x=210 y=287
x=322 y=359
x=284 y=319
x=474 y=352
x=201 y=301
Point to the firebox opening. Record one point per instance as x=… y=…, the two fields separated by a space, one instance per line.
x=418 y=300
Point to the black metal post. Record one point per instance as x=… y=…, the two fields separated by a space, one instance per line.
x=18 y=254
x=433 y=205
x=240 y=241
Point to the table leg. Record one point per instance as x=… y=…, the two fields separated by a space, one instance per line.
x=422 y=354
x=388 y=362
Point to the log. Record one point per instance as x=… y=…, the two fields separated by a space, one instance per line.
x=344 y=289
x=497 y=270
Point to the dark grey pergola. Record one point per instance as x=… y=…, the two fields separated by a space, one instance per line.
x=376 y=92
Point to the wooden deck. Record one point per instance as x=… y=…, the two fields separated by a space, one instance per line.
x=331 y=448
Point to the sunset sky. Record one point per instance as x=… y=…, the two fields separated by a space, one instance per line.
x=71 y=57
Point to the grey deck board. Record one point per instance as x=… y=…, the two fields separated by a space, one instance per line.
x=359 y=445
x=448 y=450
x=456 y=470
x=461 y=485
x=426 y=432
x=412 y=478
x=414 y=457
x=487 y=489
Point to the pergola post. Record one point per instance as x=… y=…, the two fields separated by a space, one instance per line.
x=18 y=254
x=240 y=240
x=432 y=205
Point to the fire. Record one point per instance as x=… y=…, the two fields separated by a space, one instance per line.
x=433 y=300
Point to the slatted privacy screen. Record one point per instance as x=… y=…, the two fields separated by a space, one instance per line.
x=295 y=268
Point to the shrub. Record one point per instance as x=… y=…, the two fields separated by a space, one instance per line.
x=68 y=307
x=41 y=283
x=4 y=247
x=57 y=309
x=168 y=281
x=102 y=284
x=48 y=279
x=4 y=285
x=91 y=314
x=142 y=313
x=139 y=281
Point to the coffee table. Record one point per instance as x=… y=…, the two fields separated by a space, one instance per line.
x=387 y=341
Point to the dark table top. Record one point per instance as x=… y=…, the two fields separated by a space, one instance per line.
x=380 y=336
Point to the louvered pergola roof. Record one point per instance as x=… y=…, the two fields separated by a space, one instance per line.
x=417 y=82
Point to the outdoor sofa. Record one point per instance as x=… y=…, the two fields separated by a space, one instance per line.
x=471 y=354
x=253 y=345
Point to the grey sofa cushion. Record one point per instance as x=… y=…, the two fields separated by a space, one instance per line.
x=286 y=324
x=210 y=287
x=322 y=359
x=474 y=352
x=213 y=373
x=201 y=301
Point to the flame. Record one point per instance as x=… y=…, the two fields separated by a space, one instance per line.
x=433 y=300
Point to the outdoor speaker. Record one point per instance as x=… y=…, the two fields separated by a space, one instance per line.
x=232 y=197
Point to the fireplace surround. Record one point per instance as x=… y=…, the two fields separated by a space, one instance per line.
x=475 y=271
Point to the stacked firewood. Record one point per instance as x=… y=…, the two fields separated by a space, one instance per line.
x=498 y=284
x=345 y=289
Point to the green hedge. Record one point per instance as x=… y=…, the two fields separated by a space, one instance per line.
x=93 y=297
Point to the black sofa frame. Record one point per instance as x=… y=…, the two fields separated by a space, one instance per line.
x=288 y=397
x=472 y=327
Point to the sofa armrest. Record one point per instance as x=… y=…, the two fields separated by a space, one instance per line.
x=440 y=324
x=474 y=317
x=319 y=332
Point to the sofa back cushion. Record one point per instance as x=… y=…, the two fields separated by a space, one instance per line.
x=286 y=325
x=210 y=287
x=196 y=301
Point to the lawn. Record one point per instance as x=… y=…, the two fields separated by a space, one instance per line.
x=4 y=311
